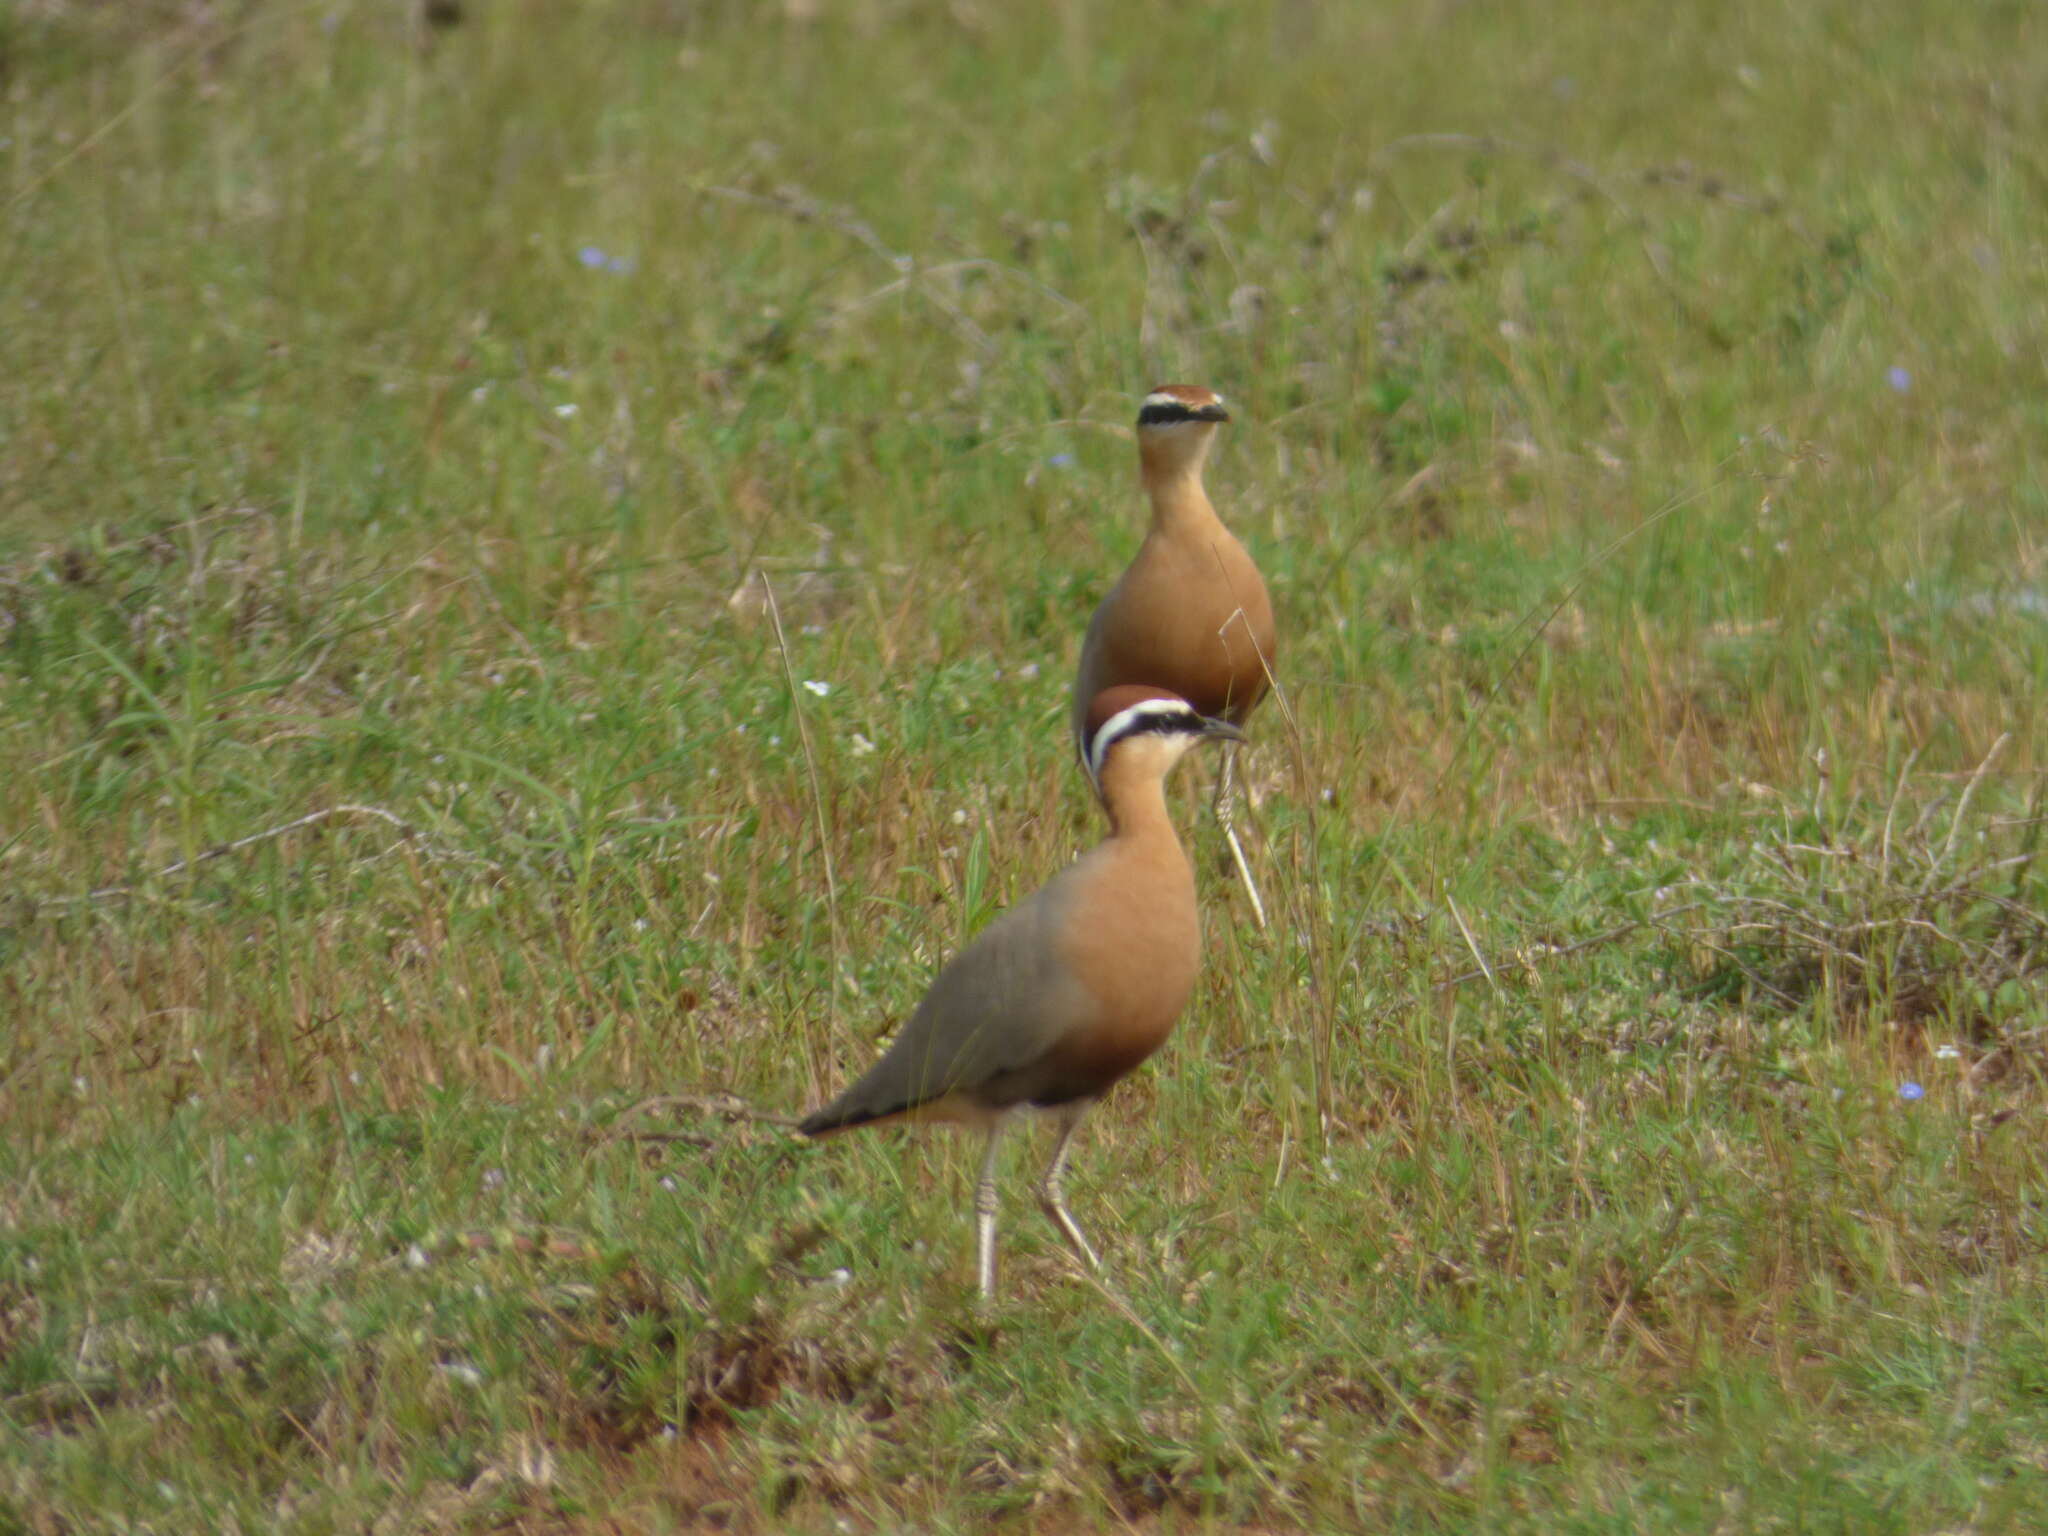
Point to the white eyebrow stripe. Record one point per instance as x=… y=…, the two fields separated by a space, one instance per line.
x=1123 y=721
x=1163 y=397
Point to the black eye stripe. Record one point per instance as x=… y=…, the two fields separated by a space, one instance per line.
x=1139 y=721
x=1159 y=413
x=1176 y=724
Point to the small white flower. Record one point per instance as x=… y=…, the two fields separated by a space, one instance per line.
x=415 y=1257
x=668 y=1183
x=959 y=818
x=462 y=1371
x=494 y=1178
x=841 y=1277
x=861 y=746
x=1946 y=1053
x=1028 y=671
x=566 y=410
x=820 y=689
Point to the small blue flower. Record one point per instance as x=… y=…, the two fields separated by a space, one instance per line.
x=1898 y=378
x=1061 y=461
x=1912 y=1093
x=594 y=257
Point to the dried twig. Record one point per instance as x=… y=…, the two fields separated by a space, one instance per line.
x=803 y=732
x=1963 y=805
x=1528 y=957
x=1470 y=943
x=795 y=203
x=726 y=1106
x=407 y=833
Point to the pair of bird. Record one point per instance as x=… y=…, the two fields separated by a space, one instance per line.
x=1072 y=988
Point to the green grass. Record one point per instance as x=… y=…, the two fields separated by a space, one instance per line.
x=408 y=840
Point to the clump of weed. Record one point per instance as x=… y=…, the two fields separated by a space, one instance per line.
x=1925 y=918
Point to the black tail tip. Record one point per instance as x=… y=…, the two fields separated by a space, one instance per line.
x=844 y=1117
x=821 y=1122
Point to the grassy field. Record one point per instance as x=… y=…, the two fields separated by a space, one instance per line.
x=426 y=872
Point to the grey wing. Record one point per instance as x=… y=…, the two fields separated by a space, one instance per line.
x=996 y=1009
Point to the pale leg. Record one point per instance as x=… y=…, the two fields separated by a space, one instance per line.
x=1052 y=1189
x=1226 y=785
x=985 y=1213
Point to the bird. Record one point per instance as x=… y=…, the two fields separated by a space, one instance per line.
x=1190 y=613
x=1067 y=991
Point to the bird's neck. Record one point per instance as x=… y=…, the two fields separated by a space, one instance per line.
x=1178 y=500
x=1136 y=803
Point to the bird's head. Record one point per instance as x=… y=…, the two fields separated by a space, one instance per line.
x=1147 y=730
x=1176 y=424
